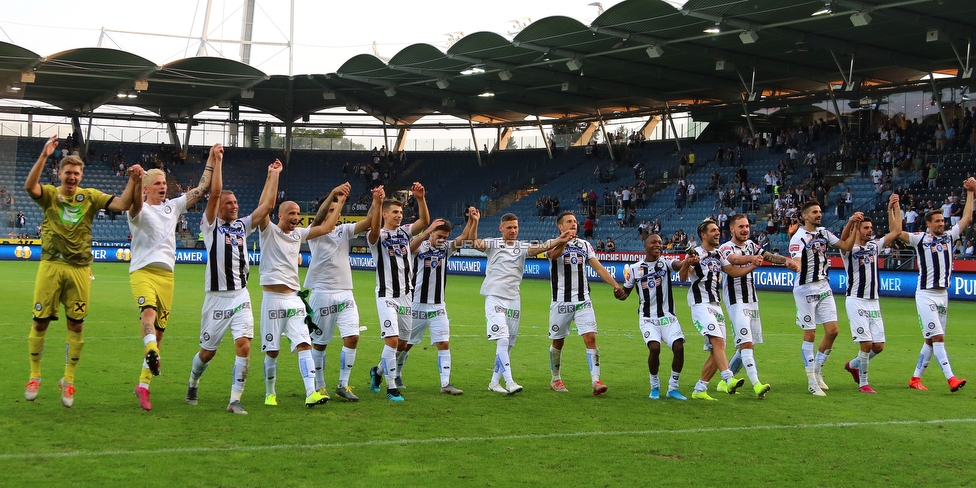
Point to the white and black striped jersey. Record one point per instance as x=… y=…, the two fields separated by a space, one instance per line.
x=934 y=257
x=861 y=265
x=391 y=252
x=706 y=286
x=430 y=272
x=329 y=269
x=653 y=282
x=567 y=272
x=811 y=248
x=226 y=245
x=742 y=289
x=504 y=268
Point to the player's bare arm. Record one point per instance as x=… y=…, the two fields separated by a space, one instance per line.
x=691 y=259
x=194 y=195
x=850 y=230
x=376 y=222
x=125 y=201
x=738 y=272
x=329 y=224
x=967 y=212
x=216 y=187
x=423 y=217
x=894 y=221
x=603 y=273
x=344 y=189
x=421 y=237
x=33 y=183
x=561 y=240
x=259 y=218
x=470 y=231
x=136 y=207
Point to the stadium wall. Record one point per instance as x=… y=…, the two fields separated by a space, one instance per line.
x=893 y=283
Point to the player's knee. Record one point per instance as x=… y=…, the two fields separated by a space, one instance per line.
x=351 y=342
x=678 y=346
x=654 y=347
x=442 y=346
x=878 y=347
x=272 y=354
x=75 y=325
x=41 y=325
x=206 y=355
x=319 y=347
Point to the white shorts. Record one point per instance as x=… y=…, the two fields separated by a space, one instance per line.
x=282 y=314
x=664 y=330
x=433 y=317
x=744 y=320
x=865 y=318
x=814 y=305
x=224 y=310
x=709 y=320
x=331 y=310
x=395 y=317
x=932 y=306
x=502 y=316
x=561 y=314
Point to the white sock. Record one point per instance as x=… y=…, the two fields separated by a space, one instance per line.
x=503 y=360
x=593 y=359
x=401 y=359
x=924 y=356
x=673 y=382
x=347 y=358
x=821 y=359
x=444 y=366
x=655 y=381
x=270 y=371
x=806 y=350
x=701 y=386
x=856 y=362
x=241 y=367
x=555 y=361
x=388 y=365
x=148 y=338
x=938 y=348
x=319 y=358
x=306 y=366
x=197 y=367
x=749 y=362
x=727 y=375
x=863 y=359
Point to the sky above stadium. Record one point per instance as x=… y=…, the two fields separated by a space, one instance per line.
x=327 y=33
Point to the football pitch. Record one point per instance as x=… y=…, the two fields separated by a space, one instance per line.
x=898 y=437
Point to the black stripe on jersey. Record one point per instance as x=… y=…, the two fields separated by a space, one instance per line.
x=380 y=267
x=567 y=282
x=440 y=278
x=696 y=292
x=581 y=283
x=803 y=263
x=212 y=261
x=243 y=263
x=425 y=284
x=646 y=309
x=553 y=279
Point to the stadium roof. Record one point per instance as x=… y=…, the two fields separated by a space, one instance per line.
x=633 y=59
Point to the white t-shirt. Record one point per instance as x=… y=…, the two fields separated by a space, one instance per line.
x=154 y=234
x=330 y=270
x=280 y=253
x=503 y=273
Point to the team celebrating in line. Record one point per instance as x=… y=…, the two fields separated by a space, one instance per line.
x=411 y=276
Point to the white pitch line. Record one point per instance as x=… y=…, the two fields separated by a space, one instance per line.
x=446 y=440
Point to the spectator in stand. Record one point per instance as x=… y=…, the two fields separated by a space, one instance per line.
x=588 y=226
x=620 y=216
x=911 y=217
x=599 y=246
x=742 y=175
x=611 y=247
x=932 y=176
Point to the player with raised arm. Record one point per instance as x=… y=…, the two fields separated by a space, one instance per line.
x=227 y=302
x=571 y=300
x=333 y=305
x=741 y=300
x=431 y=250
x=934 y=252
x=706 y=265
x=860 y=253
x=811 y=292
x=389 y=243
x=658 y=322
x=64 y=273
x=503 y=304
x=282 y=311
x=152 y=224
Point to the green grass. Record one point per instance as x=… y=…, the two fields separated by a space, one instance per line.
x=537 y=438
